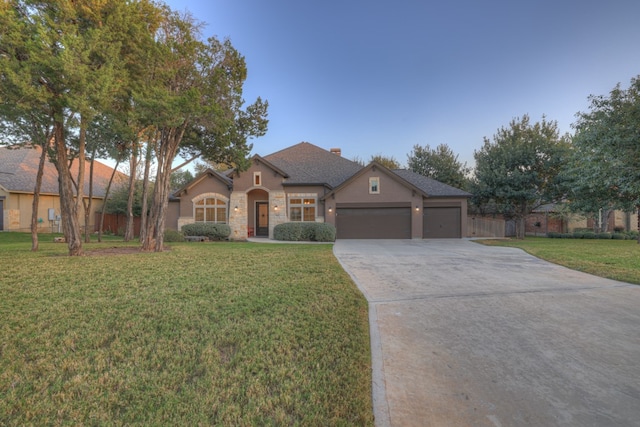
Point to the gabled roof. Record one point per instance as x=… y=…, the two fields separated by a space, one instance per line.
x=377 y=166
x=19 y=166
x=427 y=187
x=208 y=172
x=307 y=164
x=257 y=158
x=430 y=186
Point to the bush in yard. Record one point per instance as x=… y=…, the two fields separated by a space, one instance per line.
x=209 y=230
x=325 y=232
x=604 y=235
x=578 y=234
x=173 y=236
x=305 y=231
x=589 y=235
x=553 y=235
x=619 y=236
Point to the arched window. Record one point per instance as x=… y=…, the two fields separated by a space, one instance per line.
x=210 y=208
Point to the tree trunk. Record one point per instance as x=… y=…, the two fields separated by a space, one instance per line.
x=36 y=200
x=81 y=163
x=638 y=210
x=87 y=207
x=68 y=210
x=106 y=198
x=133 y=166
x=145 y=190
x=167 y=150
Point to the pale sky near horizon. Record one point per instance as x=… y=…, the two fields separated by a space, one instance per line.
x=378 y=77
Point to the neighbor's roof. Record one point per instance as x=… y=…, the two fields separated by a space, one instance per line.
x=306 y=163
x=429 y=185
x=19 y=166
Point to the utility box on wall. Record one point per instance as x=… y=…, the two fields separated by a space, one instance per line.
x=52 y=214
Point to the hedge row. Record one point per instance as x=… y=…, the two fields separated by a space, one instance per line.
x=305 y=231
x=211 y=231
x=629 y=235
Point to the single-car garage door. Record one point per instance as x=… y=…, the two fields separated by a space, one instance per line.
x=439 y=223
x=373 y=223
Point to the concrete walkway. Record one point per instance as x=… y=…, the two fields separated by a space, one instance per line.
x=468 y=335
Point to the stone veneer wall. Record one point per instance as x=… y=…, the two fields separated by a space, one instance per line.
x=184 y=220
x=238 y=219
x=279 y=199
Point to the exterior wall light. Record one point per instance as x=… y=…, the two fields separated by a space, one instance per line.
x=275 y=207
x=417 y=208
x=236 y=208
x=330 y=209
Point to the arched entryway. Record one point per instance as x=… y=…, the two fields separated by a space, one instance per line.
x=258 y=213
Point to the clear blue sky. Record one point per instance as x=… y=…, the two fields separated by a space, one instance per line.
x=378 y=77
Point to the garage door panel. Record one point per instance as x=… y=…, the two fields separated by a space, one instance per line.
x=441 y=223
x=373 y=223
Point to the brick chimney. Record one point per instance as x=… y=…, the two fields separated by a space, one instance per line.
x=336 y=151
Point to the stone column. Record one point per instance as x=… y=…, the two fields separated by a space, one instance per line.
x=238 y=218
x=279 y=215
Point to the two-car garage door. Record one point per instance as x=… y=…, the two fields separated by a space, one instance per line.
x=373 y=223
x=395 y=223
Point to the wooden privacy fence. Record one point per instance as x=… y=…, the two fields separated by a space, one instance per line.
x=116 y=223
x=485 y=227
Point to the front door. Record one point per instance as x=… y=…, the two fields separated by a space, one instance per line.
x=262 y=219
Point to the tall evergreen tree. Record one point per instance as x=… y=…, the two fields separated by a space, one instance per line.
x=72 y=55
x=195 y=102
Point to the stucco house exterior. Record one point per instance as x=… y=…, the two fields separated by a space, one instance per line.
x=308 y=183
x=18 y=169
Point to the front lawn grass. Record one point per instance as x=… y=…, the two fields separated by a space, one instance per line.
x=204 y=334
x=613 y=259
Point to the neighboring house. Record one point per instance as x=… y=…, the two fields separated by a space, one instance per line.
x=18 y=169
x=307 y=183
x=546 y=219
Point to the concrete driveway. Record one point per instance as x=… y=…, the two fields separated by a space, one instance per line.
x=470 y=335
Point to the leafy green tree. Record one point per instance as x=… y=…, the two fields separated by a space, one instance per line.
x=520 y=169
x=386 y=161
x=72 y=55
x=180 y=178
x=606 y=161
x=440 y=164
x=195 y=103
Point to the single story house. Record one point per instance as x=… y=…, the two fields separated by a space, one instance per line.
x=18 y=169
x=307 y=183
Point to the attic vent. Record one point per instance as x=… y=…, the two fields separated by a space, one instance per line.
x=336 y=151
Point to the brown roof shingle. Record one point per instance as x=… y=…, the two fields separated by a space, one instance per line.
x=306 y=163
x=19 y=166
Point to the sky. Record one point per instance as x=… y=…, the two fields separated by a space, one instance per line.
x=379 y=77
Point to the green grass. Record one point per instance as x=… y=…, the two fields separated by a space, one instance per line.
x=205 y=334
x=613 y=259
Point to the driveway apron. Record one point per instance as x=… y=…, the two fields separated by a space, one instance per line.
x=469 y=335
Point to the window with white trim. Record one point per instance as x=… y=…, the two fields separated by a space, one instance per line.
x=302 y=207
x=210 y=209
x=374 y=185
x=257 y=179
